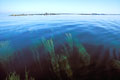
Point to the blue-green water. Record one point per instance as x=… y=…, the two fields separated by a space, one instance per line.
x=22 y=31
x=21 y=36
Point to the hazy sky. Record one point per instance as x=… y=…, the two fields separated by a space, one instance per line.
x=63 y=6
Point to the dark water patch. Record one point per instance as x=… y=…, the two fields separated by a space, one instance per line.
x=2 y=72
x=100 y=59
x=42 y=71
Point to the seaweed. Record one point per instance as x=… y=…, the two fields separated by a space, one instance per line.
x=6 y=50
x=36 y=55
x=115 y=64
x=49 y=47
x=83 y=54
x=69 y=40
x=59 y=62
x=27 y=77
x=13 y=76
x=63 y=62
x=65 y=66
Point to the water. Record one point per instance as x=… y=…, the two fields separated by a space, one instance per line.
x=93 y=31
x=24 y=30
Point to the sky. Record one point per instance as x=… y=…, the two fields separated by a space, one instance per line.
x=60 y=6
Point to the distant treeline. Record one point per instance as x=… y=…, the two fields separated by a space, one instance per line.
x=62 y=14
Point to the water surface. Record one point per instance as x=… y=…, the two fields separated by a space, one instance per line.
x=21 y=31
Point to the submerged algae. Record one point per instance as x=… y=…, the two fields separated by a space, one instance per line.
x=13 y=76
x=6 y=50
x=59 y=62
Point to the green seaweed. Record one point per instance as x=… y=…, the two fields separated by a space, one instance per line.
x=49 y=47
x=26 y=75
x=36 y=55
x=115 y=64
x=13 y=76
x=65 y=51
x=58 y=62
x=65 y=66
x=6 y=50
x=84 y=56
x=69 y=40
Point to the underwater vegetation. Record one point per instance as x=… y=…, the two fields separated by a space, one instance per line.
x=3 y=43
x=14 y=76
x=115 y=64
x=5 y=50
x=59 y=62
x=69 y=40
x=84 y=56
x=46 y=61
x=49 y=47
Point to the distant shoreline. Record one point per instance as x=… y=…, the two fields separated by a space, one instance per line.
x=45 y=14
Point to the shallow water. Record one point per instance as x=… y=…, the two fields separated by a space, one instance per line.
x=99 y=34
x=22 y=31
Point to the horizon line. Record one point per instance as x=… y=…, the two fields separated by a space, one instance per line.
x=29 y=14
